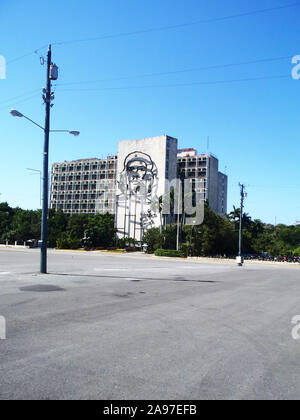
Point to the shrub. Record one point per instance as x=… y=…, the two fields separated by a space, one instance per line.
x=297 y=252
x=127 y=243
x=154 y=239
x=66 y=242
x=169 y=253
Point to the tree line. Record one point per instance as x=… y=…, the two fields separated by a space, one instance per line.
x=216 y=236
x=65 y=231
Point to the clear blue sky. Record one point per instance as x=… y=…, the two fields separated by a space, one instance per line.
x=253 y=125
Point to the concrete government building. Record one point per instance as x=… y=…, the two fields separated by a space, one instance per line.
x=113 y=185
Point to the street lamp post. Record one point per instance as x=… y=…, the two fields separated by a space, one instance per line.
x=180 y=195
x=179 y=211
x=192 y=238
x=45 y=179
x=45 y=207
x=240 y=259
x=48 y=96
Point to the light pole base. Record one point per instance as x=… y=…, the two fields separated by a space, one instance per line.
x=240 y=261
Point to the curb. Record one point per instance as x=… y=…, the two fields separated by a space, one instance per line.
x=83 y=250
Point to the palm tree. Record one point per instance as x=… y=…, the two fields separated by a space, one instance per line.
x=234 y=216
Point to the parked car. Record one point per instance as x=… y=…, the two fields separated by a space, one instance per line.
x=32 y=243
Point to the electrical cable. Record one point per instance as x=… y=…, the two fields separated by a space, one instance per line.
x=217 y=82
x=182 y=25
x=158 y=29
x=6 y=107
x=217 y=66
x=19 y=96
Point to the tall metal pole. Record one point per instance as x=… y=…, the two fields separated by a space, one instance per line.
x=45 y=207
x=241 y=218
x=181 y=209
x=178 y=192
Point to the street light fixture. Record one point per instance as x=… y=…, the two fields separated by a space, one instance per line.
x=18 y=114
x=44 y=236
x=73 y=133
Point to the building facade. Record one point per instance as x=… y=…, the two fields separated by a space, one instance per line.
x=203 y=170
x=145 y=166
x=84 y=186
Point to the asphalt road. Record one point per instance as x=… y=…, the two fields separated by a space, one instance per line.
x=105 y=326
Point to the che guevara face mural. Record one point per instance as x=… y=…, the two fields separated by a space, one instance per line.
x=139 y=176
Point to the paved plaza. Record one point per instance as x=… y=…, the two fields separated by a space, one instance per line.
x=110 y=326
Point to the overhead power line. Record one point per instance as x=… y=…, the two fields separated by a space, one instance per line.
x=20 y=96
x=28 y=98
x=167 y=73
x=180 y=25
x=216 y=82
x=217 y=66
x=159 y=29
x=36 y=51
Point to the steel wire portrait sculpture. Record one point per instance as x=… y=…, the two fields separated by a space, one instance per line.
x=138 y=184
x=139 y=177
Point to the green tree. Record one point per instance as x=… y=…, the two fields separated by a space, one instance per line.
x=6 y=215
x=25 y=225
x=57 y=226
x=77 y=224
x=100 y=230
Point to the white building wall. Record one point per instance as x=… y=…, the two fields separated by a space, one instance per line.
x=162 y=152
x=213 y=183
x=222 y=194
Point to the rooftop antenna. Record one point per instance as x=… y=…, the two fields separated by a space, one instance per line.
x=208 y=144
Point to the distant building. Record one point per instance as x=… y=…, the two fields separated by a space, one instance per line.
x=204 y=168
x=78 y=186
x=96 y=185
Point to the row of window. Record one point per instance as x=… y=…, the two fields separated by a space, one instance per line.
x=195 y=159
x=70 y=211
x=78 y=188
x=75 y=207
x=84 y=168
x=192 y=164
x=82 y=207
x=63 y=199
x=90 y=177
x=75 y=197
x=87 y=165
